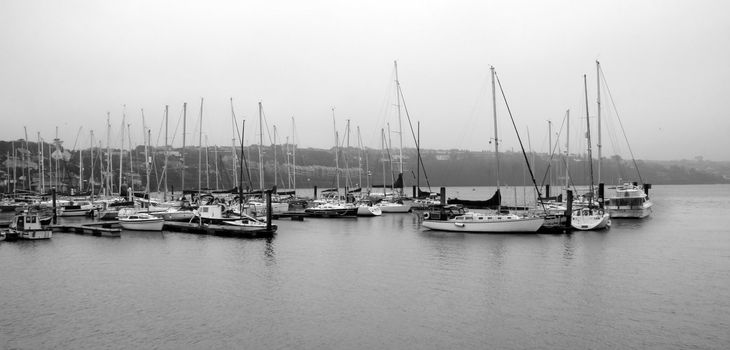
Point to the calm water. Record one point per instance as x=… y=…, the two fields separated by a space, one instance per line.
x=661 y=283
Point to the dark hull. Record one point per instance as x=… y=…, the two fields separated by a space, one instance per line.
x=331 y=212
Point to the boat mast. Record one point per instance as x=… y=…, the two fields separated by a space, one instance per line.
x=588 y=136
x=182 y=157
x=215 y=160
x=233 y=144
x=207 y=164
x=598 y=102
x=131 y=169
x=496 y=138
x=382 y=154
x=200 y=146
x=147 y=166
x=108 y=156
x=400 y=127
x=81 y=171
x=91 y=148
x=41 y=161
x=275 y=175
x=164 y=195
x=567 y=150
x=294 y=155
x=359 y=159
x=337 y=156
x=261 y=144
x=26 y=160
x=550 y=152
x=121 y=150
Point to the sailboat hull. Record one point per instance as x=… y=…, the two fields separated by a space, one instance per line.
x=486 y=226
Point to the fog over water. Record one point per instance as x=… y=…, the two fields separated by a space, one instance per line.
x=66 y=64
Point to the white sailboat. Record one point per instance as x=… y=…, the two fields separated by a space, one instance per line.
x=589 y=217
x=497 y=222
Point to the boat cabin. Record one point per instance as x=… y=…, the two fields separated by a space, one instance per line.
x=26 y=222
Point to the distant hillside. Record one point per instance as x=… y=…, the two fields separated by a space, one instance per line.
x=316 y=167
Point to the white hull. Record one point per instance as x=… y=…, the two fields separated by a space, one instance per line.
x=247 y=226
x=74 y=212
x=591 y=222
x=624 y=212
x=394 y=207
x=142 y=224
x=35 y=234
x=486 y=226
x=365 y=210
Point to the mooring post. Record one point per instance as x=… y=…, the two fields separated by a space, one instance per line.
x=53 y=195
x=268 y=210
x=601 y=194
x=415 y=195
x=315 y=192
x=547 y=191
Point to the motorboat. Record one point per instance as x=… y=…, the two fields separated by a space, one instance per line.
x=332 y=210
x=141 y=222
x=28 y=226
x=76 y=208
x=629 y=201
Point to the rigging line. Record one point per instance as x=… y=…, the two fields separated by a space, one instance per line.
x=413 y=134
x=532 y=176
x=610 y=96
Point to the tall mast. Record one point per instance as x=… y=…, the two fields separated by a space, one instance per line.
x=382 y=154
x=261 y=144
x=131 y=169
x=25 y=160
x=81 y=171
x=91 y=148
x=41 y=161
x=207 y=164
x=359 y=159
x=215 y=160
x=550 y=152
x=588 y=136
x=275 y=175
x=567 y=150
x=164 y=191
x=182 y=157
x=233 y=144
x=337 y=156
x=288 y=166
x=121 y=150
x=496 y=138
x=147 y=165
x=200 y=145
x=400 y=127
x=294 y=155
x=598 y=102
x=108 y=156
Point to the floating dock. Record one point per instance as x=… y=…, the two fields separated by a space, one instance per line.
x=105 y=229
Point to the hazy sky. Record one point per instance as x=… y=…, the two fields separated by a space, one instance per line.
x=667 y=63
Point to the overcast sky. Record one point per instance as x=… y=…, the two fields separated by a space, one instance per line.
x=667 y=64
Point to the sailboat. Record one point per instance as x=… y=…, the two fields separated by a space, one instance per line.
x=397 y=203
x=589 y=217
x=495 y=222
x=334 y=208
x=143 y=221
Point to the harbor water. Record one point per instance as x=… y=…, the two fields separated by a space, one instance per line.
x=383 y=282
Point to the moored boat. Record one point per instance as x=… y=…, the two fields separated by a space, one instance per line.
x=28 y=226
x=141 y=222
x=629 y=201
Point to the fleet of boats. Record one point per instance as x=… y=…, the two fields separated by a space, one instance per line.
x=238 y=212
